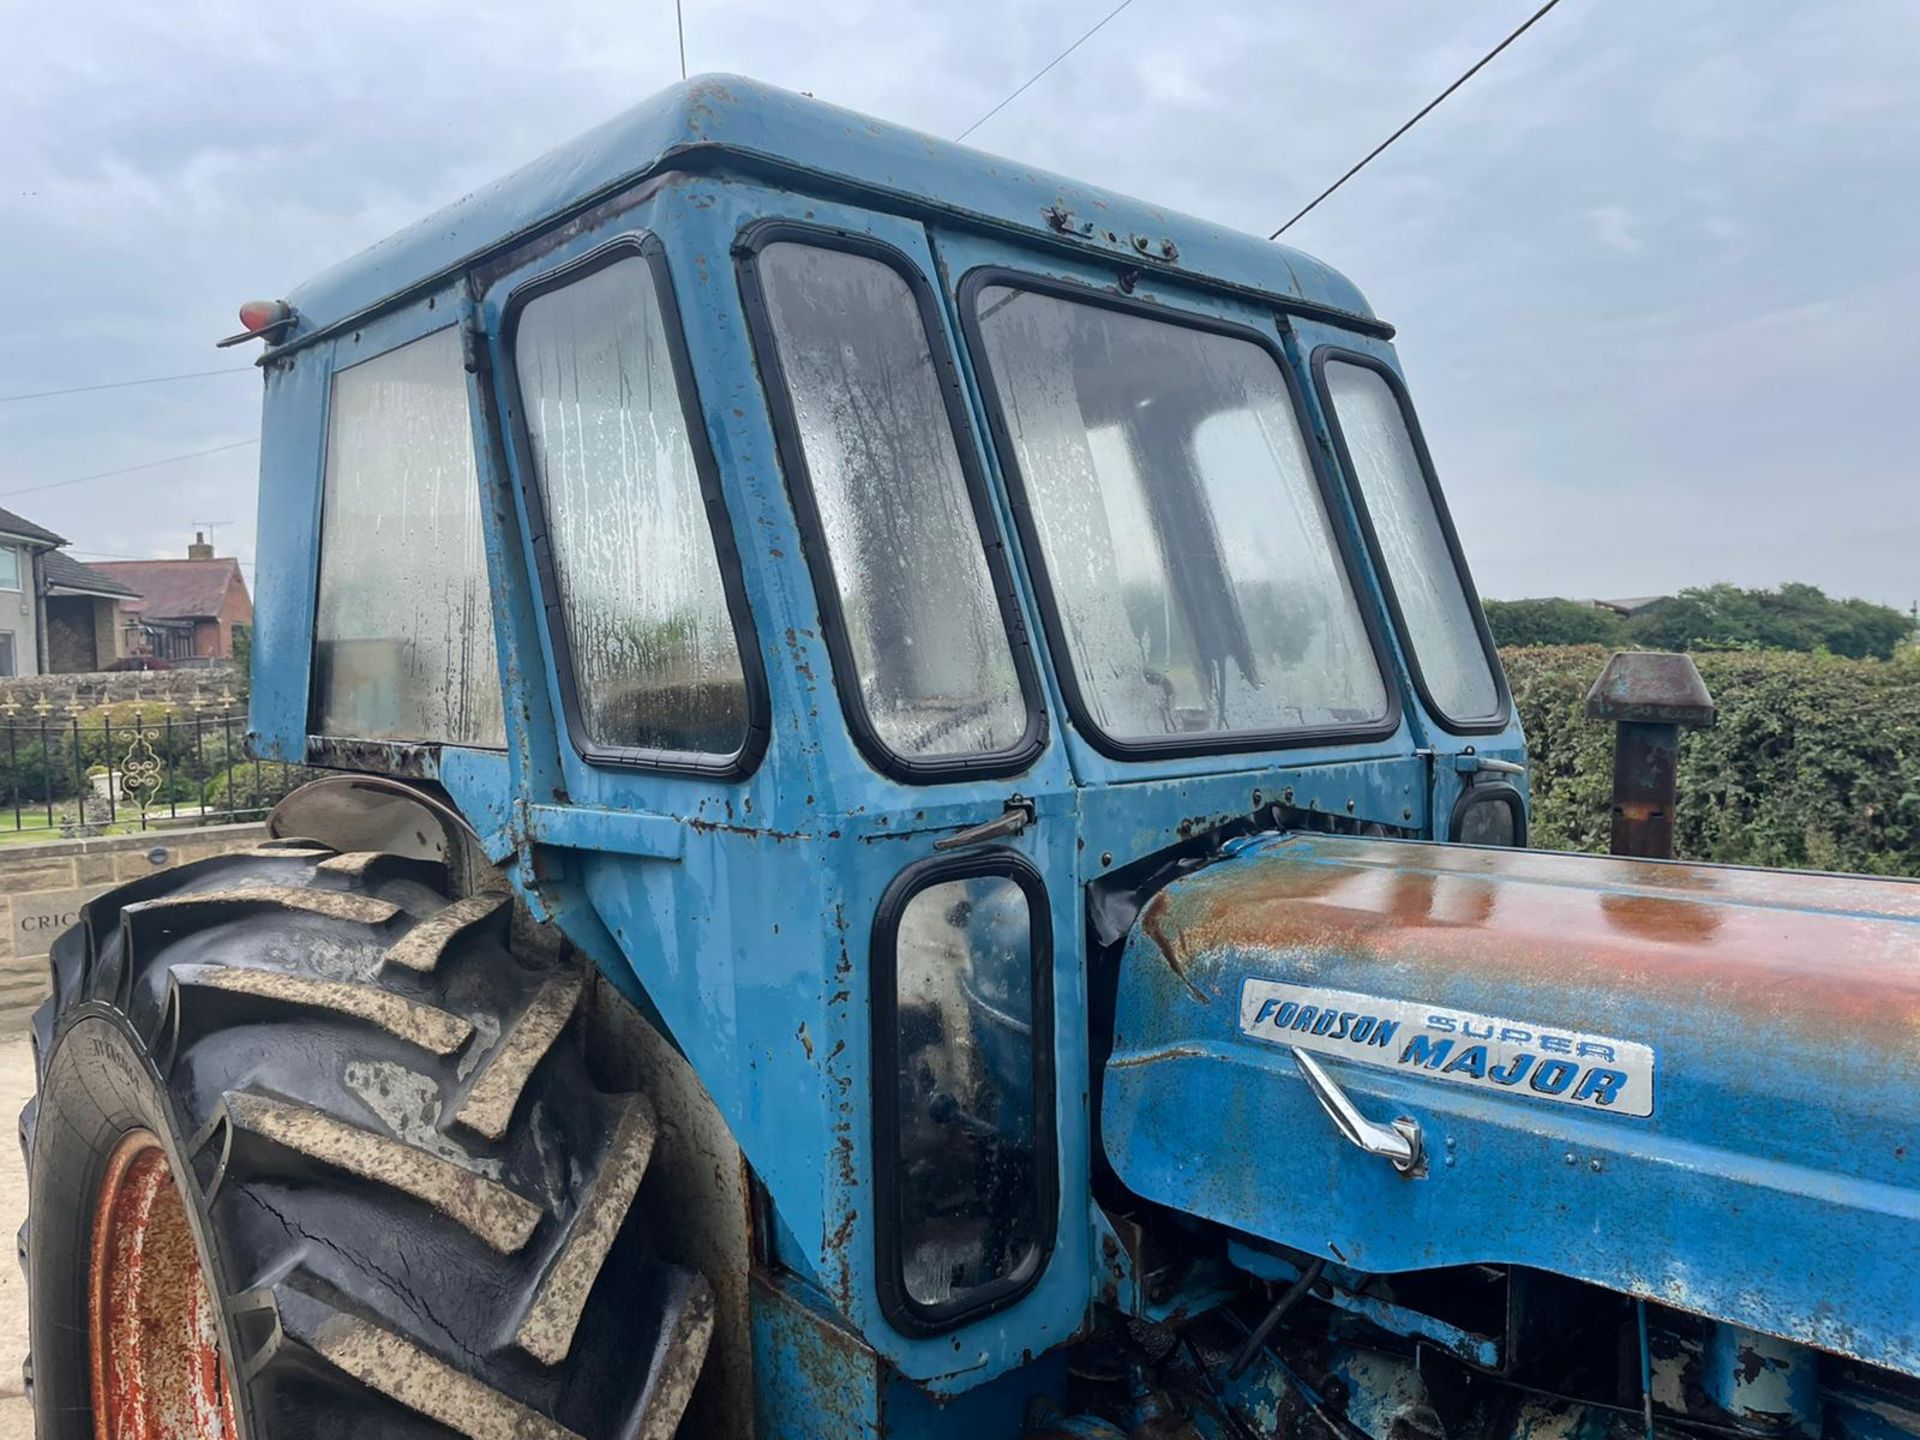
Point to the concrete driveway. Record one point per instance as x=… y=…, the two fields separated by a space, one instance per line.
x=16 y=1085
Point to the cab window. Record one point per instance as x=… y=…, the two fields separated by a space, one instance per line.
x=629 y=539
x=1412 y=538
x=403 y=633
x=880 y=476
x=1194 y=579
x=967 y=1190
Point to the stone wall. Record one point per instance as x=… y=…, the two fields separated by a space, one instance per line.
x=43 y=886
x=67 y=693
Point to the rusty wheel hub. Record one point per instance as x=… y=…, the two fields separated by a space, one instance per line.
x=157 y=1368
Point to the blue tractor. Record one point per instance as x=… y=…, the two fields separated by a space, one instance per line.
x=924 y=840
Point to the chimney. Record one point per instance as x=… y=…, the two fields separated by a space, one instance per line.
x=199 y=549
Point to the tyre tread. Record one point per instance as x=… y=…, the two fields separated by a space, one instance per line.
x=418 y=1188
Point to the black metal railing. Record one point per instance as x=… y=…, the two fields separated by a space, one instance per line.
x=128 y=768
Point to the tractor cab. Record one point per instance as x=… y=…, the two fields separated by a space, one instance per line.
x=920 y=835
x=812 y=557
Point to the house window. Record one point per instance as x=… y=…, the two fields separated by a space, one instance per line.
x=6 y=649
x=9 y=570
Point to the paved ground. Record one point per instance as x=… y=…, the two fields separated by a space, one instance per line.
x=16 y=1084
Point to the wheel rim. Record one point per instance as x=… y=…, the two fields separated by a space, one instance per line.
x=157 y=1368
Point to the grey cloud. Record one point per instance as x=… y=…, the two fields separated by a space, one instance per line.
x=1653 y=268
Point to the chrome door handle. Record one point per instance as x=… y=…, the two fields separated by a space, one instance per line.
x=1398 y=1142
x=1017 y=816
x=1476 y=764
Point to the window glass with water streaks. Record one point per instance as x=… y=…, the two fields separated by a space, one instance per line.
x=936 y=670
x=966 y=1152
x=1191 y=559
x=403 y=637
x=1413 y=547
x=655 y=660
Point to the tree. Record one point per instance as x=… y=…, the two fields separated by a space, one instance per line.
x=1871 y=629
x=1529 y=623
x=1794 y=617
x=1694 y=619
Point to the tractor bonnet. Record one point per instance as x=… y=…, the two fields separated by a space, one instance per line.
x=1690 y=1083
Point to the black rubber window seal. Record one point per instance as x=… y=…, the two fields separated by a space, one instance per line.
x=759 y=723
x=1228 y=742
x=907 y=1315
x=1020 y=756
x=1474 y=725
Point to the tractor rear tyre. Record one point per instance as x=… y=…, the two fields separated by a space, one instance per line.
x=315 y=1153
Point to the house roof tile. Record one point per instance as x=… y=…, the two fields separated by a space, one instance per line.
x=12 y=524
x=175 y=589
x=66 y=573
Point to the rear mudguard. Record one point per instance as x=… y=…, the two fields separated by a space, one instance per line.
x=1691 y=1083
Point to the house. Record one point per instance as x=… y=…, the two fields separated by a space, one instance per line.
x=56 y=615
x=1632 y=605
x=187 y=609
x=22 y=543
x=80 y=615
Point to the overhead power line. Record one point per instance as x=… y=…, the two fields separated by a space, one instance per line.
x=125 y=384
x=1043 y=70
x=1424 y=112
x=1027 y=85
x=129 y=469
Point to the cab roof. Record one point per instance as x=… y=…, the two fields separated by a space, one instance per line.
x=725 y=122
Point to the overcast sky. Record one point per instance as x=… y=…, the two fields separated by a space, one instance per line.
x=1656 y=269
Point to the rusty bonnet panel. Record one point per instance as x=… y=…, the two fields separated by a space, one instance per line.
x=1692 y=1083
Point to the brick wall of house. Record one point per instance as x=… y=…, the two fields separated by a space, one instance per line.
x=82 y=633
x=236 y=609
x=108 y=631
x=70 y=633
x=43 y=886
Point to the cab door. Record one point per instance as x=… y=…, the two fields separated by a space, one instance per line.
x=945 y=758
x=854 y=909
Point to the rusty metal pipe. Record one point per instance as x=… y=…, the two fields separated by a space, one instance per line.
x=1645 y=761
x=1649 y=696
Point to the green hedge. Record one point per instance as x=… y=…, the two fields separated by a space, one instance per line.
x=1814 y=762
x=254 y=785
